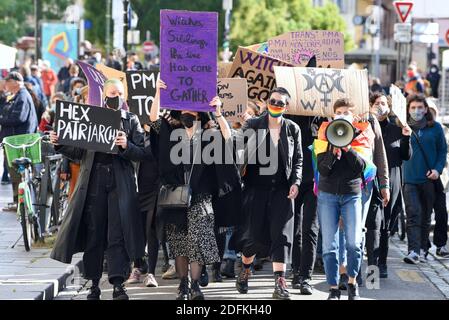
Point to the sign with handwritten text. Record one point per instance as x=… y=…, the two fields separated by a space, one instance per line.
x=188 y=59
x=299 y=47
x=232 y=92
x=141 y=92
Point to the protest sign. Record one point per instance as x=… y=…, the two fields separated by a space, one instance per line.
x=299 y=47
x=189 y=59
x=95 y=81
x=111 y=73
x=86 y=126
x=314 y=90
x=399 y=104
x=232 y=92
x=142 y=89
x=223 y=69
x=258 y=70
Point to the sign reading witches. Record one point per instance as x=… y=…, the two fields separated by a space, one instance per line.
x=188 y=59
x=87 y=127
x=314 y=90
x=299 y=47
x=95 y=81
x=258 y=70
x=141 y=92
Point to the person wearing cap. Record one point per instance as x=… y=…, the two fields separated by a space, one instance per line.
x=17 y=116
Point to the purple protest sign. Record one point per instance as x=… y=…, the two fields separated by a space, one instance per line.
x=188 y=59
x=95 y=80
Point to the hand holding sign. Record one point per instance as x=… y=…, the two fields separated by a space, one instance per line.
x=216 y=102
x=121 y=140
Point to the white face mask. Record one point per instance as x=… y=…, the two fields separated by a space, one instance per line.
x=347 y=117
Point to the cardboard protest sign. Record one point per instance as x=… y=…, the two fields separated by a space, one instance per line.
x=259 y=47
x=315 y=90
x=142 y=89
x=86 y=126
x=223 y=69
x=189 y=59
x=95 y=81
x=399 y=104
x=299 y=47
x=258 y=70
x=111 y=73
x=232 y=92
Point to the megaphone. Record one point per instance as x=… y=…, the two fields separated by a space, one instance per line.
x=340 y=133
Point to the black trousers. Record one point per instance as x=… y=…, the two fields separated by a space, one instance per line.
x=269 y=231
x=440 y=209
x=306 y=230
x=419 y=201
x=102 y=220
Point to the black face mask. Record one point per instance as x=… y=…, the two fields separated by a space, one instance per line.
x=114 y=103
x=187 y=120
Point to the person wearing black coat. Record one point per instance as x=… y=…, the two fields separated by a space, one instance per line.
x=381 y=220
x=104 y=214
x=190 y=231
x=271 y=183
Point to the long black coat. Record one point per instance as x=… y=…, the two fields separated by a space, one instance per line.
x=72 y=234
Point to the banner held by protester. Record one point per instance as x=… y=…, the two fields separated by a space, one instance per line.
x=95 y=81
x=314 y=90
x=86 y=126
x=111 y=73
x=189 y=48
x=399 y=104
x=232 y=92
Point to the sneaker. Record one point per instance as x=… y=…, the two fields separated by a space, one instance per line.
x=204 y=278
x=170 y=274
x=150 y=281
x=195 y=291
x=306 y=288
x=242 y=281
x=135 y=277
x=442 y=252
x=383 y=271
x=280 y=289
x=412 y=258
x=183 y=290
x=228 y=270
x=334 y=294
x=342 y=284
x=423 y=256
x=119 y=293
x=297 y=280
x=94 y=293
x=353 y=291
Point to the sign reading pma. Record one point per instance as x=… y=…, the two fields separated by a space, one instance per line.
x=59 y=42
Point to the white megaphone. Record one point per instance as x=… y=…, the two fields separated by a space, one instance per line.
x=340 y=133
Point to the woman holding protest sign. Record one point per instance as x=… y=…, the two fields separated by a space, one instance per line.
x=189 y=228
x=103 y=214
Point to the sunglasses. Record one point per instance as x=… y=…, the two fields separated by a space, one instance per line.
x=277 y=103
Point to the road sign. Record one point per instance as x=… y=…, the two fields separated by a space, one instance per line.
x=403 y=9
x=447 y=37
x=148 y=47
x=403 y=27
x=426 y=28
x=403 y=37
x=425 y=38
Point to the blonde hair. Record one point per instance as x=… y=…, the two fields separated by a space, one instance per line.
x=113 y=82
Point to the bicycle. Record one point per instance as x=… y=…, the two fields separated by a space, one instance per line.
x=21 y=152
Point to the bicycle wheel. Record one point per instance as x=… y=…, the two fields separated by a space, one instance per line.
x=26 y=227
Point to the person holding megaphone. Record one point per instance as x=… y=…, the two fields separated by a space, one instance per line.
x=344 y=166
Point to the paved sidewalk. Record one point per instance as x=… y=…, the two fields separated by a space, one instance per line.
x=26 y=275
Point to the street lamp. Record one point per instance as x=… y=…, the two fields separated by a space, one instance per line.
x=227 y=6
x=125 y=32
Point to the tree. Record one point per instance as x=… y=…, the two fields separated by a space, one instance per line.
x=17 y=17
x=255 y=21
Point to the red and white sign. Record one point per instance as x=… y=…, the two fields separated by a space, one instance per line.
x=447 y=37
x=403 y=9
x=148 y=46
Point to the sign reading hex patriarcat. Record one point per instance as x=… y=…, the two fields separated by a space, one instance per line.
x=87 y=127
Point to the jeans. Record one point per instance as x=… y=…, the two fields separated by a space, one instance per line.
x=330 y=208
x=229 y=254
x=419 y=200
x=305 y=233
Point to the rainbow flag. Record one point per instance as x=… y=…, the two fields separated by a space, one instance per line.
x=361 y=144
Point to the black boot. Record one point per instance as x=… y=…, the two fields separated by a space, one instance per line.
x=195 y=291
x=204 y=278
x=94 y=293
x=280 y=289
x=242 y=281
x=228 y=270
x=119 y=293
x=183 y=289
x=353 y=291
x=217 y=273
x=297 y=280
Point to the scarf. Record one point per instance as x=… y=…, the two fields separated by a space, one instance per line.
x=417 y=125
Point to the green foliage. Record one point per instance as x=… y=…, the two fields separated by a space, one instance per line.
x=17 y=17
x=95 y=11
